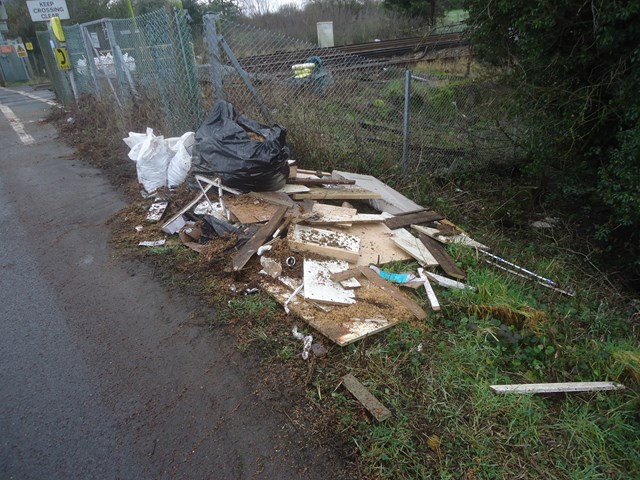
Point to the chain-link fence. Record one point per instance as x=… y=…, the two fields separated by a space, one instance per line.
x=348 y=111
x=142 y=62
x=341 y=110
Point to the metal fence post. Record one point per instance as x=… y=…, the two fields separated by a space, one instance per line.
x=213 y=45
x=91 y=64
x=405 y=123
x=118 y=63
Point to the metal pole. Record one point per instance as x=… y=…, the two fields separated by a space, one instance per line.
x=91 y=64
x=117 y=59
x=405 y=123
x=245 y=78
x=211 y=32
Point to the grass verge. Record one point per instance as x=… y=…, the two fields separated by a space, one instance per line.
x=434 y=376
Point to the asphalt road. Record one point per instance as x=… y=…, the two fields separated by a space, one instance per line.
x=103 y=374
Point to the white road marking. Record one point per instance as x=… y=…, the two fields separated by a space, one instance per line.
x=16 y=124
x=31 y=96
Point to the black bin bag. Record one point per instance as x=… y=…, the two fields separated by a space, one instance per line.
x=247 y=156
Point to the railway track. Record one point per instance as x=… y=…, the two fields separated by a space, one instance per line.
x=348 y=55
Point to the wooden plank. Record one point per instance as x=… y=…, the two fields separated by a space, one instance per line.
x=320 y=181
x=447 y=282
x=346 y=274
x=390 y=200
x=461 y=238
x=431 y=295
x=318 y=285
x=338 y=245
x=568 y=387
x=401 y=221
x=275 y=198
x=264 y=233
x=344 y=193
x=442 y=257
x=414 y=247
x=215 y=182
x=364 y=396
x=347 y=219
x=317 y=173
x=387 y=287
x=325 y=211
x=188 y=207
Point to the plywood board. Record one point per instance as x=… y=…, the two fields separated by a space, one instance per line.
x=376 y=245
x=557 y=387
x=337 y=245
x=338 y=193
x=389 y=201
x=414 y=247
x=248 y=209
x=373 y=312
x=318 y=285
x=366 y=398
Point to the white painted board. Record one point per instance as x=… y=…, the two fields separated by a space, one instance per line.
x=414 y=247
x=318 y=285
x=557 y=387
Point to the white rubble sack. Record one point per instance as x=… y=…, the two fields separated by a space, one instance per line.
x=180 y=163
x=159 y=161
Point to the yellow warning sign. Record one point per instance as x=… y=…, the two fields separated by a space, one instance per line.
x=62 y=57
x=21 y=51
x=29 y=45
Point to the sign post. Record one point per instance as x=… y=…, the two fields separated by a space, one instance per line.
x=45 y=10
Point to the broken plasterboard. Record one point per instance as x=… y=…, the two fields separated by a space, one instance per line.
x=156 y=210
x=414 y=247
x=318 y=285
x=390 y=200
x=338 y=245
x=373 y=312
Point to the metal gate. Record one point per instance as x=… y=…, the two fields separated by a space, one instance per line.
x=13 y=67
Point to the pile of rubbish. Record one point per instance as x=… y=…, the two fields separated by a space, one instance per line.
x=322 y=239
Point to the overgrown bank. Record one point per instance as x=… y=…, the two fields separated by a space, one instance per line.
x=434 y=375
